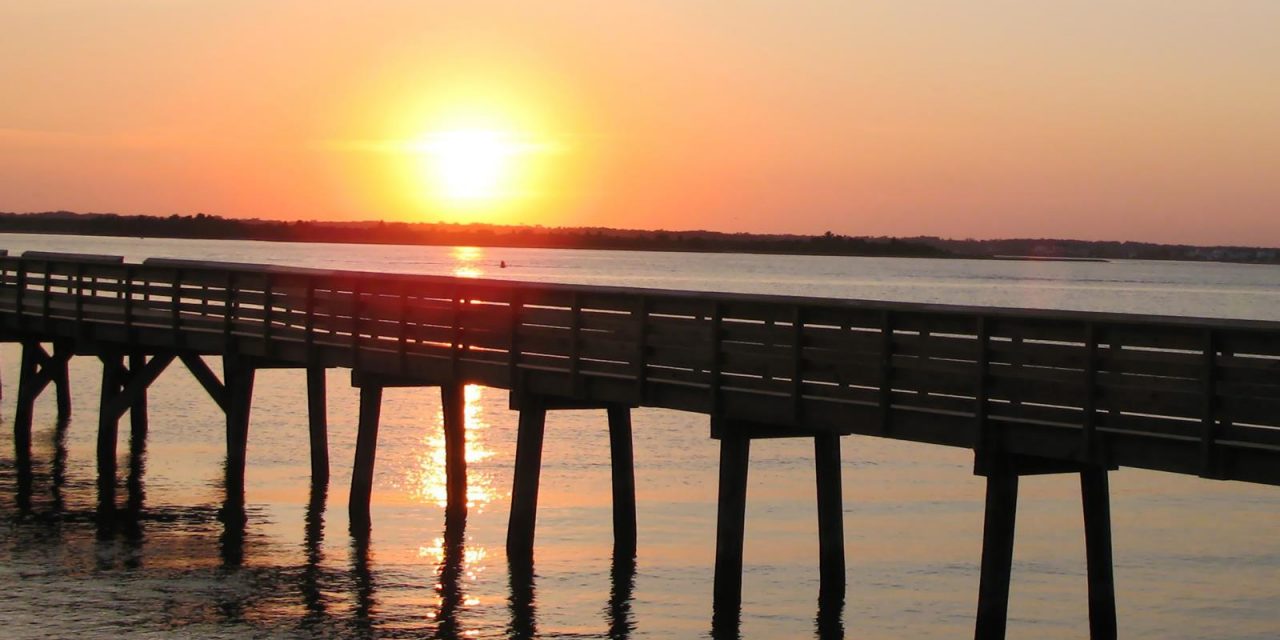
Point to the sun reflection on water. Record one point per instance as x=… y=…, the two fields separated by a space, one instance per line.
x=467 y=262
x=427 y=479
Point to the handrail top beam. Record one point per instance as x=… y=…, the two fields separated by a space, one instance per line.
x=1190 y=322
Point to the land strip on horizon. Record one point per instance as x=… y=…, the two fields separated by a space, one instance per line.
x=212 y=227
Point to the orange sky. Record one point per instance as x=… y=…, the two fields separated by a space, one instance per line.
x=1144 y=120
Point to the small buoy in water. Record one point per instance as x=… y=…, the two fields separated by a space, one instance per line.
x=502 y=264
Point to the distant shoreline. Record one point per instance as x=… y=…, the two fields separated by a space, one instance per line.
x=374 y=232
x=1049 y=259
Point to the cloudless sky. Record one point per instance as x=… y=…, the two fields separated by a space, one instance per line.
x=1132 y=119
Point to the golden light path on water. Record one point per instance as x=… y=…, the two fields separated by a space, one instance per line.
x=427 y=481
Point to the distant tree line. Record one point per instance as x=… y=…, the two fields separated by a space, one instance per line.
x=206 y=226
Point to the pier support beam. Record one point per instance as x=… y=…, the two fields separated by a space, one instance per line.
x=318 y=425
x=826 y=452
x=237 y=378
x=1002 y=472
x=1095 y=496
x=366 y=451
x=622 y=463
x=453 y=408
x=37 y=369
x=138 y=408
x=453 y=404
x=528 y=468
x=731 y=512
x=124 y=389
x=997 y=552
x=113 y=375
x=533 y=410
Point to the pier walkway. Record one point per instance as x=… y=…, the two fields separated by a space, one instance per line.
x=1030 y=391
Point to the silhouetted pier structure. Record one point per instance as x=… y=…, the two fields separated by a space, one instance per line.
x=1030 y=391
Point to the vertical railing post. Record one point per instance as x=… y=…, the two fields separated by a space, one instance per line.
x=642 y=348
x=267 y=303
x=309 y=322
x=1089 y=428
x=175 y=318
x=402 y=336
x=46 y=303
x=797 y=364
x=1209 y=467
x=356 y=312
x=575 y=345
x=982 y=392
x=20 y=302
x=886 y=371
x=228 y=310
x=455 y=354
x=80 y=326
x=128 y=288
x=513 y=350
x=713 y=367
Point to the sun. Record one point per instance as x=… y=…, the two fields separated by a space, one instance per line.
x=472 y=165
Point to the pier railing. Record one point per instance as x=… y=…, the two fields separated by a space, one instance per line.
x=1195 y=396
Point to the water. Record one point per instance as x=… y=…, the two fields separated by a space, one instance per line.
x=1194 y=558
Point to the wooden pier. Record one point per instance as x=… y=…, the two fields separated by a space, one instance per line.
x=1030 y=391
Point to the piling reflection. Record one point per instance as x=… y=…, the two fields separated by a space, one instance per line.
x=58 y=466
x=137 y=472
x=726 y=621
x=622 y=578
x=523 y=622
x=452 y=568
x=365 y=590
x=829 y=622
x=313 y=540
x=231 y=542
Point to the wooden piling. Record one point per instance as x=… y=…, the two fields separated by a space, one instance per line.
x=28 y=389
x=318 y=424
x=453 y=408
x=622 y=462
x=826 y=451
x=731 y=512
x=59 y=374
x=138 y=408
x=528 y=467
x=366 y=449
x=113 y=373
x=238 y=382
x=997 y=551
x=1095 y=496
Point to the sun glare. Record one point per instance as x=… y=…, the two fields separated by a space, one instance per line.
x=472 y=165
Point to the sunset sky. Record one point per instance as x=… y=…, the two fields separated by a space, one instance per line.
x=1143 y=120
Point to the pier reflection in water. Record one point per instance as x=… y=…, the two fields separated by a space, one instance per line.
x=166 y=547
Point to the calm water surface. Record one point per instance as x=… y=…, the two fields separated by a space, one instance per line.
x=1194 y=558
